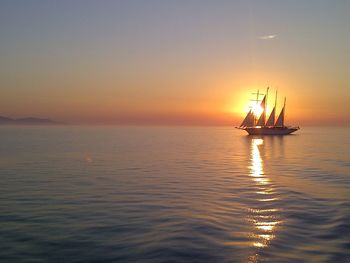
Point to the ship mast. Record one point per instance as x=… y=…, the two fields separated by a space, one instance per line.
x=261 y=121
x=257 y=102
x=274 y=109
x=276 y=99
x=265 y=109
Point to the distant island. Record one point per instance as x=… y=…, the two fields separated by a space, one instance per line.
x=26 y=121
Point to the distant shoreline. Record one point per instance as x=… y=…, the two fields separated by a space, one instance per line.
x=27 y=121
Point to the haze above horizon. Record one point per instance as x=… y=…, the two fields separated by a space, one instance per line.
x=173 y=62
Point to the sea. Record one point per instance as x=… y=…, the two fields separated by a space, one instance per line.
x=173 y=194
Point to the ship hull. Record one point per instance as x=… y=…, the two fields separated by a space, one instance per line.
x=270 y=130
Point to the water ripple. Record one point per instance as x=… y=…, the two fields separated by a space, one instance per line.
x=172 y=195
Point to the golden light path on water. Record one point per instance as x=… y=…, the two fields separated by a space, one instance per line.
x=264 y=217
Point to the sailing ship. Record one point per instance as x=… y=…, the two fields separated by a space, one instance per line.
x=258 y=125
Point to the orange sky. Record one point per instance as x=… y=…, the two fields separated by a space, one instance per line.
x=184 y=64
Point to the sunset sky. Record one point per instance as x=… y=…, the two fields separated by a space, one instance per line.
x=173 y=62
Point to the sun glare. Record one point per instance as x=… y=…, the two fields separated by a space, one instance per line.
x=257 y=110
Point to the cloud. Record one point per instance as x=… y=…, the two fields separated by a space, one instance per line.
x=267 y=37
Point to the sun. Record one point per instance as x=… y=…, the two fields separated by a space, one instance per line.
x=257 y=110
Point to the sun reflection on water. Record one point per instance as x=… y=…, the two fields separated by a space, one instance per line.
x=264 y=217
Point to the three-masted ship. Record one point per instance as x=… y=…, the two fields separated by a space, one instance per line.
x=258 y=125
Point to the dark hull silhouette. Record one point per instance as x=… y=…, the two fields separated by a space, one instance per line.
x=270 y=130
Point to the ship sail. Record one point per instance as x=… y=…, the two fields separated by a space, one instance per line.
x=248 y=120
x=280 y=119
x=271 y=119
x=262 y=118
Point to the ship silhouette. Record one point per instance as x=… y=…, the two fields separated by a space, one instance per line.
x=258 y=125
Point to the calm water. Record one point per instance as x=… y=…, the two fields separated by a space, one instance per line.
x=107 y=194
